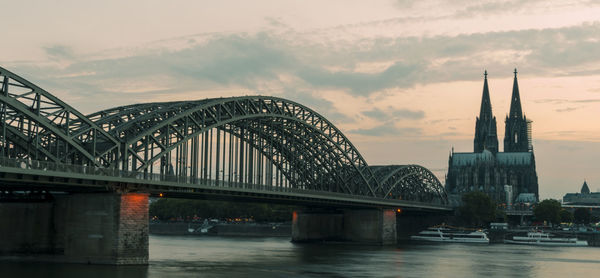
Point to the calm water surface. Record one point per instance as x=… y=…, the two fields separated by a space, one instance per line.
x=172 y=256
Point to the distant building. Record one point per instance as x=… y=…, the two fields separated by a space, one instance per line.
x=488 y=170
x=585 y=198
x=526 y=198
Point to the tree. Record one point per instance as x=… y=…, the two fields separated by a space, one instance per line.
x=566 y=216
x=166 y=209
x=582 y=216
x=548 y=210
x=477 y=209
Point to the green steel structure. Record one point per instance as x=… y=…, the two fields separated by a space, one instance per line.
x=252 y=142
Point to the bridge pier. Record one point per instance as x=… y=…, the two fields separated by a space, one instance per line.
x=368 y=226
x=94 y=228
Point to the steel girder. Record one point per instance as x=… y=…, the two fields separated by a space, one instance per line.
x=52 y=129
x=113 y=118
x=309 y=151
x=169 y=125
x=410 y=182
x=313 y=168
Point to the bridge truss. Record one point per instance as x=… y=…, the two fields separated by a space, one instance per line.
x=261 y=140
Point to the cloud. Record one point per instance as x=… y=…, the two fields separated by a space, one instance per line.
x=303 y=67
x=251 y=60
x=494 y=7
x=376 y=114
x=560 y=101
x=276 y=22
x=464 y=9
x=321 y=106
x=59 y=52
x=358 y=83
x=388 y=129
x=566 y=109
x=394 y=114
x=448 y=120
x=409 y=114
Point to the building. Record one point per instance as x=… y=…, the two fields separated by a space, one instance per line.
x=585 y=198
x=488 y=170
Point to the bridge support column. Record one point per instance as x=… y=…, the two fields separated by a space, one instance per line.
x=26 y=227
x=368 y=226
x=95 y=228
x=107 y=228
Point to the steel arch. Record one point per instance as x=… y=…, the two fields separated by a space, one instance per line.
x=308 y=151
x=179 y=123
x=50 y=125
x=410 y=182
x=334 y=182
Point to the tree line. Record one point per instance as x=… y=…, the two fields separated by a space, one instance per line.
x=479 y=210
x=166 y=209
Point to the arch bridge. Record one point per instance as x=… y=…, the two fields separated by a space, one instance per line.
x=253 y=148
x=253 y=140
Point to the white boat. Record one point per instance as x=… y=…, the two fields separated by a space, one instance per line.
x=546 y=239
x=451 y=235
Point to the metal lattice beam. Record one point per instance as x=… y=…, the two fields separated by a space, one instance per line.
x=50 y=125
x=244 y=140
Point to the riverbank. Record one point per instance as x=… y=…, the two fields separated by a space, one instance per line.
x=223 y=229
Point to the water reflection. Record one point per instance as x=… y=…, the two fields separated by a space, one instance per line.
x=12 y=269
x=277 y=257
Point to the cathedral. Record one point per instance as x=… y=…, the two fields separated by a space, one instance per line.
x=507 y=177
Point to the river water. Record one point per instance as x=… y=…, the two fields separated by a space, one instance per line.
x=189 y=256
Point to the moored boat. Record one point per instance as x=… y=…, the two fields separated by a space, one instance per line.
x=441 y=234
x=546 y=239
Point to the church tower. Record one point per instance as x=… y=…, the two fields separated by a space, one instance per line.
x=517 y=136
x=585 y=189
x=488 y=170
x=486 y=136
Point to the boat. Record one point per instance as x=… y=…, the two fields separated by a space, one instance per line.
x=546 y=239
x=441 y=234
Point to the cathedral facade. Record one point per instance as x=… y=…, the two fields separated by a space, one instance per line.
x=488 y=170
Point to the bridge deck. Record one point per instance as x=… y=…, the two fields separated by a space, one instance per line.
x=28 y=175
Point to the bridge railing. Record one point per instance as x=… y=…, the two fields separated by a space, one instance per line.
x=28 y=164
x=111 y=172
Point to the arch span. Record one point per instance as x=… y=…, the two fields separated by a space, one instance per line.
x=243 y=140
x=52 y=129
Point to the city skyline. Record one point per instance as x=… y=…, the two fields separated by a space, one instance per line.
x=402 y=80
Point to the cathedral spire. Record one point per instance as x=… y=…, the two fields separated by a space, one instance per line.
x=515 y=102
x=486 y=105
x=516 y=134
x=486 y=137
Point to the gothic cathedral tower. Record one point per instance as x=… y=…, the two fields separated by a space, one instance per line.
x=486 y=136
x=517 y=137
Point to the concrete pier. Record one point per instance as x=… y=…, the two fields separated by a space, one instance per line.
x=368 y=226
x=95 y=228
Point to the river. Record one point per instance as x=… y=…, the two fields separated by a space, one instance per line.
x=190 y=256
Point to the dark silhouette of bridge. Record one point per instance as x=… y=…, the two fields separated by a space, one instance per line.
x=258 y=148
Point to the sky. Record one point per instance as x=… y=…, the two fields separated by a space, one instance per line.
x=402 y=79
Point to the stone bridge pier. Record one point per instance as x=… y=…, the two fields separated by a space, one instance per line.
x=94 y=228
x=368 y=226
